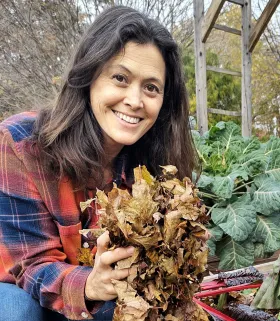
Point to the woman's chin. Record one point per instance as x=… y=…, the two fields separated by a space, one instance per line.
x=125 y=141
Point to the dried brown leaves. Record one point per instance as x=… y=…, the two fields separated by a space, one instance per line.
x=164 y=220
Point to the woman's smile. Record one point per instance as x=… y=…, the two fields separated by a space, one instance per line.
x=126 y=118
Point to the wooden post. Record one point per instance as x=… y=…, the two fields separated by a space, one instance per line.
x=246 y=70
x=262 y=23
x=210 y=18
x=200 y=68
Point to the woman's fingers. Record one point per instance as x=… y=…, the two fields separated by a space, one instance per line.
x=106 y=257
x=99 y=282
x=110 y=257
x=120 y=274
x=102 y=243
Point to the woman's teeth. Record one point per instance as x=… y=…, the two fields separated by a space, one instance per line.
x=131 y=120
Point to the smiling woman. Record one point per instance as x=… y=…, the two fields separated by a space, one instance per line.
x=123 y=104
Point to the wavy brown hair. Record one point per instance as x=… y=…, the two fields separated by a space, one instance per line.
x=69 y=136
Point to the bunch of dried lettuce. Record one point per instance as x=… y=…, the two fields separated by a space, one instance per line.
x=163 y=219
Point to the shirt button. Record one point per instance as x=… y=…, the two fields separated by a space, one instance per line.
x=84 y=315
x=86 y=245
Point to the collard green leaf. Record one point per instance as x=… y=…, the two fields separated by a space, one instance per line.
x=267 y=231
x=204 y=181
x=220 y=125
x=211 y=246
x=226 y=141
x=216 y=165
x=237 y=171
x=260 y=251
x=216 y=234
x=272 y=146
x=253 y=163
x=234 y=255
x=250 y=144
x=223 y=186
x=226 y=132
x=240 y=165
x=266 y=198
x=273 y=167
x=238 y=219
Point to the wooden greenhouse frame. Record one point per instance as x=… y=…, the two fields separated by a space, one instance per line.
x=203 y=25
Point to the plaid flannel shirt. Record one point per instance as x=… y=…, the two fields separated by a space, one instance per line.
x=40 y=221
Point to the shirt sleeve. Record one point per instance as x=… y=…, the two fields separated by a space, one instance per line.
x=30 y=248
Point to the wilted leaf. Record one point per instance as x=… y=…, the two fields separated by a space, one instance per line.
x=171 y=222
x=96 y=232
x=174 y=186
x=86 y=204
x=140 y=173
x=194 y=312
x=85 y=256
x=163 y=219
x=169 y=169
x=130 y=305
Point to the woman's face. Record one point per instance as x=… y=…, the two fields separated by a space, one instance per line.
x=127 y=96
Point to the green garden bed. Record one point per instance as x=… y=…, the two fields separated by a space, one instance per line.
x=240 y=185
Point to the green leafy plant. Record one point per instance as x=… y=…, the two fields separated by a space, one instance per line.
x=240 y=185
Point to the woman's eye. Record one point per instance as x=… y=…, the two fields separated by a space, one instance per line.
x=119 y=78
x=152 y=88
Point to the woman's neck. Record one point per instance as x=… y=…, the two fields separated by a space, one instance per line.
x=111 y=149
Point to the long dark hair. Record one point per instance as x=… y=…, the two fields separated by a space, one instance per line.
x=69 y=136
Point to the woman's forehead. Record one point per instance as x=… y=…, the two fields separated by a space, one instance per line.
x=139 y=58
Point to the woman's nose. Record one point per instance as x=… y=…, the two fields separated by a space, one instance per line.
x=133 y=98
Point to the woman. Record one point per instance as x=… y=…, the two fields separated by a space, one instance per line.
x=123 y=103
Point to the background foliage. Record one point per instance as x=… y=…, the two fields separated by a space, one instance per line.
x=37 y=37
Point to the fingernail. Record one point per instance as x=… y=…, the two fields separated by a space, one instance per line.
x=130 y=250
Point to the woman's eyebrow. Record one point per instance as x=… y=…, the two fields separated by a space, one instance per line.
x=128 y=71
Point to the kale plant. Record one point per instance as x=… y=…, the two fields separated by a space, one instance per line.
x=240 y=185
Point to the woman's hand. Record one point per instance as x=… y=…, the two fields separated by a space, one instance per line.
x=98 y=285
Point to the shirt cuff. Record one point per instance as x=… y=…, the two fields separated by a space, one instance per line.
x=94 y=306
x=76 y=307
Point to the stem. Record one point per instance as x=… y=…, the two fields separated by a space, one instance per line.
x=211 y=209
x=211 y=310
x=222 y=301
x=240 y=287
x=212 y=196
x=201 y=156
x=248 y=183
x=245 y=184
